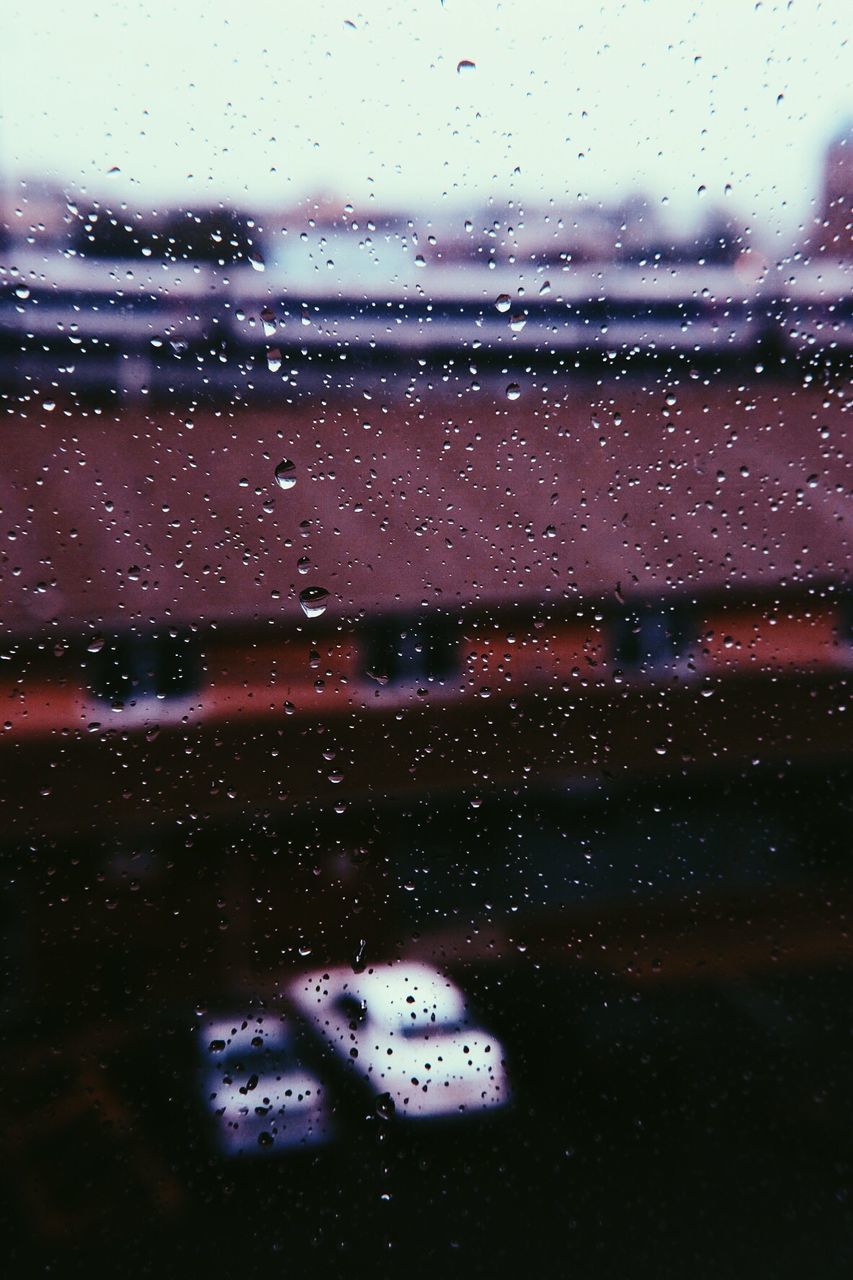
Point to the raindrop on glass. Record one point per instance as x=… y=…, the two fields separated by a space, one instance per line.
x=268 y=321
x=313 y=601
x=285 y=474
x=385 y=1107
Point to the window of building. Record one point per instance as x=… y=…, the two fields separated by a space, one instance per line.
x=652 y=639
x=135 y=669
x=411 y=653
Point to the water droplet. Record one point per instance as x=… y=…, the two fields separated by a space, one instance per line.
x=465 y=64
x=314 y=601
x=503 y=302
x=255 y=262
x=273 y=359
x=385 y=1107
x=544 y=288
x=513 y=391
x=517 y=323
x=303 y=565
x=285 y=474
x=96 y=644
x=419 y=260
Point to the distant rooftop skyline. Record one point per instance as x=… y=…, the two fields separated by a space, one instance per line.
x=733 y=104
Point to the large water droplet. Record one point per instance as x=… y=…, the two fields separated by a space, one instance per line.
x=285 y=474
x=513 y=391
x=268 y=321
x=273 y=359
x=314 y=601
x=465 y=64
x=503 y=302
x=385 y=1107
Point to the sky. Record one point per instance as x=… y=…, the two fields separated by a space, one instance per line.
x=727 y=102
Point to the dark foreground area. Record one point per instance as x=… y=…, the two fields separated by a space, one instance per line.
x=677 y=1036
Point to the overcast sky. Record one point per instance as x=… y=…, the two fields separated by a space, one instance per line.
x=263 y=103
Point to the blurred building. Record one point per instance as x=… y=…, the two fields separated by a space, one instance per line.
x=33 y=212
x=300 y=528
x=631 y=232
x=833 y=233
x=837 y=239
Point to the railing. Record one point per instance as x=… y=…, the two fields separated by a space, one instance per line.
x=158 y=329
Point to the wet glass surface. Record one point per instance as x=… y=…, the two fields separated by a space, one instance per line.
x=426 y=639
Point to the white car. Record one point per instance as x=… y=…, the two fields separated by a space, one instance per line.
x=405 y=1029
x=261 y=1097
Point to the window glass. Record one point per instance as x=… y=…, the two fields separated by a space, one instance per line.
x=425 y=638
